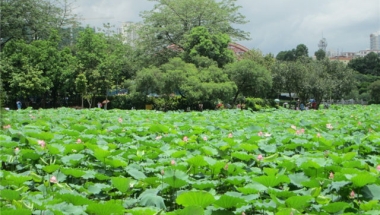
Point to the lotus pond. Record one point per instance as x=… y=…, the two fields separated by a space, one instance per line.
x=65 y=161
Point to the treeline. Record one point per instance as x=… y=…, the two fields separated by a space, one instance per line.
x=178 y=59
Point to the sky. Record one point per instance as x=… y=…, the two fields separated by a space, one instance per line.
x=274 y=25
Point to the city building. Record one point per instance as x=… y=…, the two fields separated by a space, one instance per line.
x=129 y=32
x=375 y=41
x=363 y=53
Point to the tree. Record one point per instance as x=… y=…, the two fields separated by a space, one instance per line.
x=257 y=56
x=368 y=65
x=320 y=54
x=33 y=19
x=300 y=52
x=91 y=52
x=169 y=22
x=81 y=85
x=288 y=76
x=200 y=42
x=374 y=89
x=250 y=78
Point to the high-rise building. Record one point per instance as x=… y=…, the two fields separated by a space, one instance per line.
x=129 y=31
x=375 y=41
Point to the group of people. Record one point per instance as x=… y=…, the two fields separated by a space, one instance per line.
x=312 y=104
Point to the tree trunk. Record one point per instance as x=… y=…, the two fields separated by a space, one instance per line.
x=82 y=101
x=236 y=95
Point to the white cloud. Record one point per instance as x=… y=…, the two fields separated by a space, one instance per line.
x=275 y=25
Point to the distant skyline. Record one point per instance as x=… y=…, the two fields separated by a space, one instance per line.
x=274 y=25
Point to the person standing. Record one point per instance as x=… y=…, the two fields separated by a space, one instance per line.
x=19 y=104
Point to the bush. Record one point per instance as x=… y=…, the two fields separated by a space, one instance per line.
x=257 y=104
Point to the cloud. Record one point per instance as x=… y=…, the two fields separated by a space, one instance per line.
x=274 y=25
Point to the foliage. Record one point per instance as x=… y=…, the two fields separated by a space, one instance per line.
x=200 y=42
x=301 y=51
x=64 y=161
x=250 y=78
x=320 y=54
x=368 y=65
x=374 y=89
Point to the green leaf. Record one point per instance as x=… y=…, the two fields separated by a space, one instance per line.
x=195 y=198
x=197 y=161
x=191 y=210
x=122 y=184
x=110 y=207
x=10 y=194
x=51 y=168
x=241 y=156
x=335 y=207
x=227 y=201
x=363 y=179
x=150 y=198
x=298 y=202
x=136 y=173
x=298 y=178
x=16 y=212
x=371 y=192
x=77 y=173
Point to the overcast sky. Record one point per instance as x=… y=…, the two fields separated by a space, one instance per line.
x=274 y=25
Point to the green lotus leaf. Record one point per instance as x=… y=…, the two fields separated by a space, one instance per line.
x=157 y=128
x=135 y=173
x=18 y=211
x=227 y=201
x=29 y=154
x=335 y=207
x=144 y=211
x=298 y=178
x=363 y=179
x=371 y=192
x=107 y=208
x=271 y=181
x=252 y=188
x=191 y=210
x=10 y=194
x=271 y=158
x=203 y=185
x=77 y=173
x=370 y=205
x=323 y=200
x=122 y=184
x=197 y=161
x=195 y=198
x=96 y=188
x=74 y=199
x=17 y=179
x=298 y=202
x=150 y=198
x=242 y=156
x=116 y=162
x=72 y=159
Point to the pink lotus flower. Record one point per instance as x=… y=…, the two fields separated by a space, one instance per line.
x=120 y=120
x=378 y=167
x=331 y=176
x=329 y=126
x=294 y=127
x=318 y=135
x=7 y=126
x=17 y=150
x=260 y=134
x=359 y=123
x=172 y=162
x=225 y=167
x=79 y=141
x=158 y=137
x=352 y=194
x=204 y=138
x=185 y=138
x=243 y=213
x=162 y=172
x=230 y=135
x=53 y=179
x=41 y=143
x=260 y=157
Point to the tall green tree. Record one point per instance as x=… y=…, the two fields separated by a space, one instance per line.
x=368 y=65
x=200 y=42
x=169 y=21
x=320 y=54
x=33 y=19
x=91 y=52
x=250 y=78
